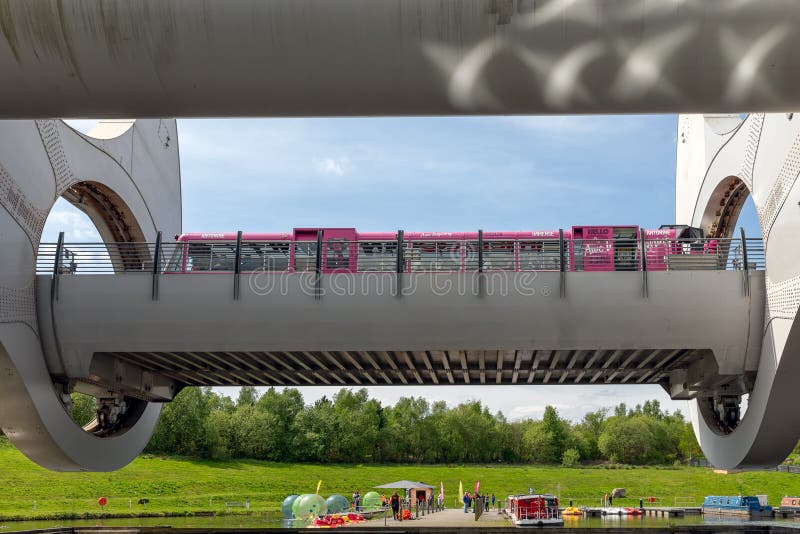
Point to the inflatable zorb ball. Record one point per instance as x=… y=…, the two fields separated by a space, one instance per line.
x=337 y=504
x=309 y=506
x=296 y=504
x=371 y=500
x=286 y=506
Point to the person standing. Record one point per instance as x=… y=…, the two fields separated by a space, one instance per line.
x=493 y=500
x=395 y=502
x=356 y=500
x=466 y=501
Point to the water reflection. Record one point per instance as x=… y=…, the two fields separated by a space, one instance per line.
x=274 y=521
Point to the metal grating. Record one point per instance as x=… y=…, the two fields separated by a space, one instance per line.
x=428 y=367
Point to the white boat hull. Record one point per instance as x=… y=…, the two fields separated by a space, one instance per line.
x=537 y=522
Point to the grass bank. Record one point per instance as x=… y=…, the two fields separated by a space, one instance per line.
x=178 y=486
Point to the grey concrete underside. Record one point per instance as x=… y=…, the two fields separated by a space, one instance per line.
x=112 y=58
x=444 y=329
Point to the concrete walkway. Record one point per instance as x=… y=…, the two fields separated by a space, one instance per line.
x=453 y=517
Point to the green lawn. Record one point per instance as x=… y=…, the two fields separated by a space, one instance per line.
x=177 y=485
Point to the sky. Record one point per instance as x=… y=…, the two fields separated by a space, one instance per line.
x=429 y=174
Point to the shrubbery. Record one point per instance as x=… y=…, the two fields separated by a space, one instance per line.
x=570 y=458
x=352 y=428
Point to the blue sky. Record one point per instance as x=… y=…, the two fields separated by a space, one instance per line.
x=433 y=174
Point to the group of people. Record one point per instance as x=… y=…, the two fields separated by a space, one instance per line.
x=470 y=499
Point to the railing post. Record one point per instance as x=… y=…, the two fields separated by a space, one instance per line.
x=746 y=267
x=400 y=256
x=480 y=251
x=400 y=267
x=57 y=267
x=643 y=254
x=318 y=274
x=562 y=290
x=237 y=265
x=156 y=265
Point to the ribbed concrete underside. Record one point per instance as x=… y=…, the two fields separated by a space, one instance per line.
x=458 y=367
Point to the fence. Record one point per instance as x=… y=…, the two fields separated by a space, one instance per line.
x=517 y=255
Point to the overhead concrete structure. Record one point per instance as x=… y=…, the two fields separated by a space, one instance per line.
x=118 y=58
x=723 y=160
x=711 y=337
x=359 y=332
x=126 y=178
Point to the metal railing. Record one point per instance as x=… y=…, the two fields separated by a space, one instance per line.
x=531 y=513
x=432 y=256
x=104 y=258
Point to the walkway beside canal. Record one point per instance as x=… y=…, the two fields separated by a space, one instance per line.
x=452 y=518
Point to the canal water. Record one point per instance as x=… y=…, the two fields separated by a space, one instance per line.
x=266 y=521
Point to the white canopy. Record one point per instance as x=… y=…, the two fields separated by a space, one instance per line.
x=405 y=484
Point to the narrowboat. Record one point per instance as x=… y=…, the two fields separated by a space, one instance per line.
x=791 y=502
x=533 y=510
x=748 y=506
x=790 y=506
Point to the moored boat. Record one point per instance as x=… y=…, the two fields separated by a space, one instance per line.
x=533 y=510
x=741 y=506
x=790 y=503
x=790 y=506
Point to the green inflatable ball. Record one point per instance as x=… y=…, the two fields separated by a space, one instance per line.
x=310 y=506
x=296 y=504
x=337 y=504
x=286 y=506
x=371 y=500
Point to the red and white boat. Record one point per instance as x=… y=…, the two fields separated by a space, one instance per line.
x=533 y=510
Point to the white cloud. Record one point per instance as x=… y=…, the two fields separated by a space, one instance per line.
x=336 y=166
x=75 y=224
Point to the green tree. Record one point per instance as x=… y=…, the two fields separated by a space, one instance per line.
x=589 y=430
x=558 y=431
x=182 y=426
x=406 y=430
x=652 y=408
x=248 y=396
x=357 y=425
x=314 y=439
x=627 y=440
x=253 y=433
x=284 y=409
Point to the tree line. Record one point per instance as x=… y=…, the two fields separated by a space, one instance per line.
x=353 y=428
